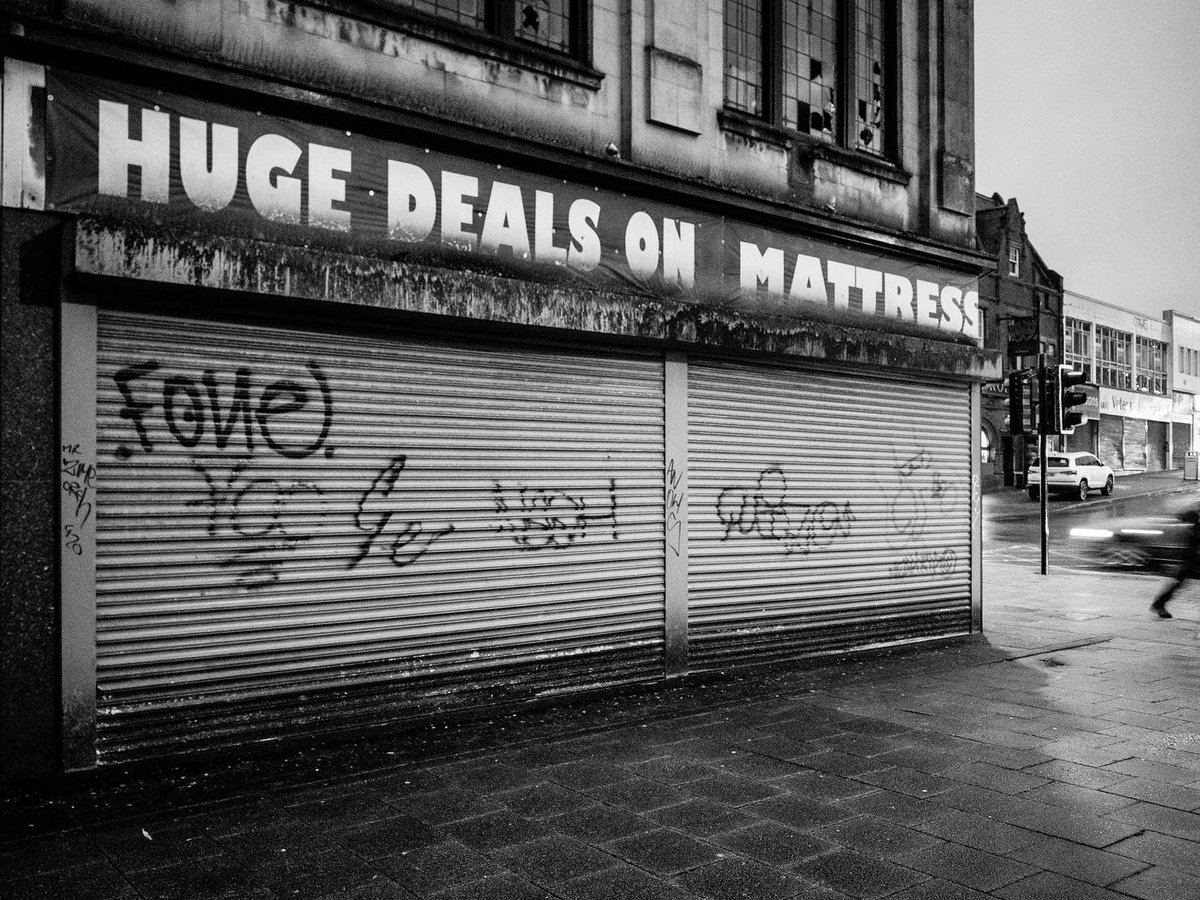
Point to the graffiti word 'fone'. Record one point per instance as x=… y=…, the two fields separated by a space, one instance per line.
x=211 y=412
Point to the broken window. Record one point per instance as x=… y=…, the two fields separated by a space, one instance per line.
x=810 y=65
x=545 y=22
x=553 y=24
x=816 y=67
x=869 y=74
x=744 y=58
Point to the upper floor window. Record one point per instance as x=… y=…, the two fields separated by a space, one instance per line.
x=1077 y=345
x=817 y=67
x=1014 y=261
x=553 y=24
x=1114 y=361
x=1151 y=366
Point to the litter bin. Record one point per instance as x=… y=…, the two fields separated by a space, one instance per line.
x=1191 y=466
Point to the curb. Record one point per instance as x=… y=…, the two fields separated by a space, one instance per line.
x=1085 y=505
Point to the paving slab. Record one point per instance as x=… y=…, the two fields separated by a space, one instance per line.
x=1057 y=755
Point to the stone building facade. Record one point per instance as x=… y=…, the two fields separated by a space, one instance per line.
x=375 y=360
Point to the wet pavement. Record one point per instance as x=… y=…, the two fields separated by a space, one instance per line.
x=1006 y=503
x=1055 y=756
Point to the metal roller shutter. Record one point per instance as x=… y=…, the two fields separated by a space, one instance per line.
x=1156 y=446
x=826 y=511
x=1112 y=442
x=1180 y=443
x=1134 y=438
x=303 y=531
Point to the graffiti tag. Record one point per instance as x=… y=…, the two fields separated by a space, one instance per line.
x=253 y=508
x=222 y=415
x=404 y=541
x=934 y=562
x=676 y=497
x=78 y=483
x=766 y=511
x=548 y=518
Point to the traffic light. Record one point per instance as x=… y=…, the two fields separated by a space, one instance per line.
x=1016 y=402
x=1069 y=396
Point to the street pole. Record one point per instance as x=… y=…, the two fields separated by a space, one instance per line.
x=1043 y=494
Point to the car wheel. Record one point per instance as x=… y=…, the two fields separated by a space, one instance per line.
x=1033 y=493
x=1108 y=487
x=1083 y=489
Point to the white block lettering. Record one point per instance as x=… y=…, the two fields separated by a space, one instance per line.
x=324 y=189
x=118 y=152
x=504 y=222
x=209 y=180
x=456 y=214
x=277 y=198
x=412 y=202
x=641 y=244
x=679 y=252
x=761 y=268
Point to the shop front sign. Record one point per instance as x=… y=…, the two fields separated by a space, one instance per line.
x=1134 y=406
x=170 y=160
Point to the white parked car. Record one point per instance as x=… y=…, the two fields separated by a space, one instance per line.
x=1070 y=473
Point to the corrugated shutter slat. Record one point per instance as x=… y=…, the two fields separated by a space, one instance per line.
x=312 y=530
x=826 y=511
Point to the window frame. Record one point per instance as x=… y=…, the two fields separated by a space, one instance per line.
x=1014 y=261
x=768 y=124
x=575 y=67
x=1077 y=345
x=1150 y=378
x=1111 y=370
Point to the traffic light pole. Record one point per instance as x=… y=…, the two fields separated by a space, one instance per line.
x=1043 y=428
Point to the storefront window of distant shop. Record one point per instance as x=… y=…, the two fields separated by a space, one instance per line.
x=553 y=24
x=1114 y=362
x=795 y=64
x=1151 y=366
x=1077 y=346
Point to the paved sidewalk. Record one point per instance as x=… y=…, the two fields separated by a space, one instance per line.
x=1057 y=756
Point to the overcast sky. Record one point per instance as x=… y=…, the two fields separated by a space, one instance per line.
x=1088 y=112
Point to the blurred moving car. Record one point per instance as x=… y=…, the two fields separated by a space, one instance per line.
x=1156 y=542
x=1070 y=473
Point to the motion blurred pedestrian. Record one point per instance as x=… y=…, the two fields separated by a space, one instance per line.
x=1189 y=567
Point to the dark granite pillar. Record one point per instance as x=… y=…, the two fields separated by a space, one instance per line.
x=30 y=279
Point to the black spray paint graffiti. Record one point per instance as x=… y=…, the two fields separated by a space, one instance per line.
x=935 y=562
x=80 y=478
x=410 y=540
x=676 y=497
x=190 y=410
x=767 y=512
x=922 y=491
x=548 y=518
x=252 y=509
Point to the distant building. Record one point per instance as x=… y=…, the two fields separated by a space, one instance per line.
x=1020 y=303
x=1148 y=374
